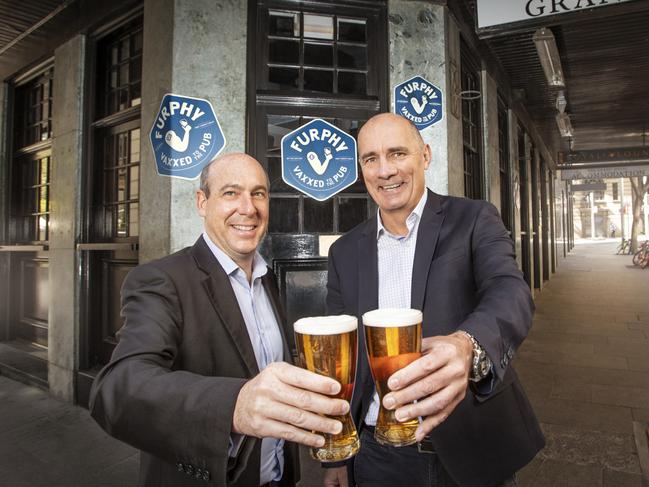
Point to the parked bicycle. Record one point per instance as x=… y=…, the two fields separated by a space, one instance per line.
x=641 y=257
x=625 y=247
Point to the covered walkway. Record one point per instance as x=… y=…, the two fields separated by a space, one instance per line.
x=584 y=366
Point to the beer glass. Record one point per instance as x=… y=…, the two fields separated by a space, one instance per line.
x=326 y=345
x=393 y=337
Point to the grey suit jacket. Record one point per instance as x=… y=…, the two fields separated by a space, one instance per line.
x=464 y=278
x=171 y=386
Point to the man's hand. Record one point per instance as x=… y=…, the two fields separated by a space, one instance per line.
x=437 y=381
x=286 y=402
x=335 y=477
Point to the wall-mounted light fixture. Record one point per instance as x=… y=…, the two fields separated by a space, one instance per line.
x=564 y=125
x=546 y=46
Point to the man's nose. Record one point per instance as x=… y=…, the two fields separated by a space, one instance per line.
x=246 y=205
x=387 y=168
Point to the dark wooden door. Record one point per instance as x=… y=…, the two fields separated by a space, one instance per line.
x=311 y=60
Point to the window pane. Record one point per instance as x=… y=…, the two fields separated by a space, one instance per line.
x=134 y=220
x=134 y=156
x=277 y=184
x=318 y=80
x=318 y=54
x=285 y=215
x=318 y=216
x=134 y=184
x=121 y=185
x=122 y=224
x=352 y=30
x=277 y=127
x=351 y=212
x=351 y=83
x=281 y=51
x=318 y=26
x=285 y=24
x=283 y=78
x=352 y=57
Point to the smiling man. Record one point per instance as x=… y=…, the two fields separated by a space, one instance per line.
x=453 y=259
x=199 y=380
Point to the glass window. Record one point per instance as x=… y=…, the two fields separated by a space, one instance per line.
x=318 y=26
x=120 y=70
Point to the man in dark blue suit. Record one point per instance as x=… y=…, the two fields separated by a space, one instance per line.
x=453 y=259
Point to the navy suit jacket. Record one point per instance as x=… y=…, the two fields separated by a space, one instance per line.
x=464 y=277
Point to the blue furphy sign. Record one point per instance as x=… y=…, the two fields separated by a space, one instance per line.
x=319 y=159
x=419 y=101
x=185 y=136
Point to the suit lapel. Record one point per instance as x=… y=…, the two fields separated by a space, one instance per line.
x=368 y=300
x=268 y=281
x=427 y=236
x=219 y=289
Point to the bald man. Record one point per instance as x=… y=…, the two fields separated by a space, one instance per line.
x=199 y=379
x=452 y=259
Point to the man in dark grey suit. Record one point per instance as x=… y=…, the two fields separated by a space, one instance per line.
x=199 y=380
x=453 y=259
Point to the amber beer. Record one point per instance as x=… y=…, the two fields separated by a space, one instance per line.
x=326 y=345
x=393 y=337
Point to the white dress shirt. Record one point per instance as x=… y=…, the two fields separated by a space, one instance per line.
x=396 y=255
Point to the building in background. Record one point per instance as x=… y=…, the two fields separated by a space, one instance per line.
x=81 y=202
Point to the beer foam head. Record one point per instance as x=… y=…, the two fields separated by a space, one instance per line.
x=325 y=325
x=385 y=317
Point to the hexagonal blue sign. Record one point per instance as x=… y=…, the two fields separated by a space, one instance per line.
x=185 y=136
x=319 y=159
x=419 y=101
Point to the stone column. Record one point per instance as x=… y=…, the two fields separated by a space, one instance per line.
x=194 y=48
x=4 y=209
x=419 y=45
x=65 y=198
x=491 y=141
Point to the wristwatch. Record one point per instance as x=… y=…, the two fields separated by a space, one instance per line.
x=481 y=364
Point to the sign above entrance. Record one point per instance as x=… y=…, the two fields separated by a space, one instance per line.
x=498 y=12
x=605 y=172
x=319 y=159
x=185 y=136
x=419 y=101
x=624 y=154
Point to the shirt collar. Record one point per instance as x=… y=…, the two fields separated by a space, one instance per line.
x=259 y=266
x=410 y=221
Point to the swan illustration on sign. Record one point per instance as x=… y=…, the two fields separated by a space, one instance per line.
x=319 y=159
x=185 y=136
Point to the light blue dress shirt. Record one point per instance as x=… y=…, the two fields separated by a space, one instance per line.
x=266 y=340
x=396 y=255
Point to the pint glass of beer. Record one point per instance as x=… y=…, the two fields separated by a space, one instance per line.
x=326 y=345
x=393 y=337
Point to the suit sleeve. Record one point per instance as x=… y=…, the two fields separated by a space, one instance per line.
x=503 y=315
x=178 y=416
x=335 y=302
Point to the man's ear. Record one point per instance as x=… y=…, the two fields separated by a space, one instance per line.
x=201 y=202
x=428 y=156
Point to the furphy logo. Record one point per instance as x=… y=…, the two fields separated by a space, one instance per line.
x=185 y=136
x=319 y=159
x=419 y=101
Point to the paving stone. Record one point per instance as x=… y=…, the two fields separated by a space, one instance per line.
x=614 y=478
x=555 y=473
x=582 y=415
x=621 y=396
x=641 y=414
x=580 y=447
